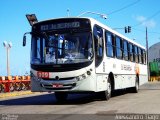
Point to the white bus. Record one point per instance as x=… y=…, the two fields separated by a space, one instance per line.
x=70 y=55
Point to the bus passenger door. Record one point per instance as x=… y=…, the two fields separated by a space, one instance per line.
x=98 y=45
x=101 y=81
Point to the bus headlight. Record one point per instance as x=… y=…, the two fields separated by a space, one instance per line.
x=78 y=78
x=83 y=76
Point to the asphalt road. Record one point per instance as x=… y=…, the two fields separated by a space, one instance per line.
x=85 y=106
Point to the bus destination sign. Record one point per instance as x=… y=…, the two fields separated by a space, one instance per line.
x=58 y=26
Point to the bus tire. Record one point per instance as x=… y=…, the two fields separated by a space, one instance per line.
x=61 y=96
x=136 y=88
x=107 y=93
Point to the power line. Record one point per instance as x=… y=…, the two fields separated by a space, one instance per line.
x=120 y=9
x=151 y=32
x=152 y=16
x=131 y=4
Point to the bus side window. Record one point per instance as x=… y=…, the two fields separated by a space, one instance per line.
x=114 y=46
x=125 y=47
x=136 y=54
x=98 y=39
x=110 y=44
x=119 y=48
x=130 y=52
x=133 y=51
x=122 y=49
x=140 y=55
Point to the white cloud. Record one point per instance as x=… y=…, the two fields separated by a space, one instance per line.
x=143 y=20
x=140 y=18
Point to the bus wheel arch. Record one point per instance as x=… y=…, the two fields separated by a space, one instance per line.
x=105 y=95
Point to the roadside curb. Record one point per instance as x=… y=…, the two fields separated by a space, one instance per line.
x=13 y=94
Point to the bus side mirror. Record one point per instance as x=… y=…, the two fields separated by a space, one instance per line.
x=24 y=40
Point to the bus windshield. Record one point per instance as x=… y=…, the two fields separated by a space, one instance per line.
x=62 y=48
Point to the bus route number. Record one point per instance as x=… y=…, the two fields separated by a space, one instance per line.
x=43 y=74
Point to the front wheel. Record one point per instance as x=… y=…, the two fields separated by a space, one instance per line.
x=107 y=93
x=61 y=96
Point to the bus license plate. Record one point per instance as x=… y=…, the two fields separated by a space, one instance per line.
x=57 y=85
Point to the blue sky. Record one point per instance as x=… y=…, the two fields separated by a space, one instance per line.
x=14 y=24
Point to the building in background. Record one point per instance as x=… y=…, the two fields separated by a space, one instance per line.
x=154 y=60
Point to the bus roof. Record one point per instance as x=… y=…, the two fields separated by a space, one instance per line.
x=115 y=32
x=93 y=21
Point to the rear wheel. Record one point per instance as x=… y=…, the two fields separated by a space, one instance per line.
x=61 y=96
x=107 y=93
x=136 y=88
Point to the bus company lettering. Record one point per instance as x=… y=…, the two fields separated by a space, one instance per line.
x=126 y=67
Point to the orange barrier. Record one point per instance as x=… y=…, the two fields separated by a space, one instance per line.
x=12 y=83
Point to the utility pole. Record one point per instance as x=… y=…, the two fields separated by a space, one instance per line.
x=148 y=71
